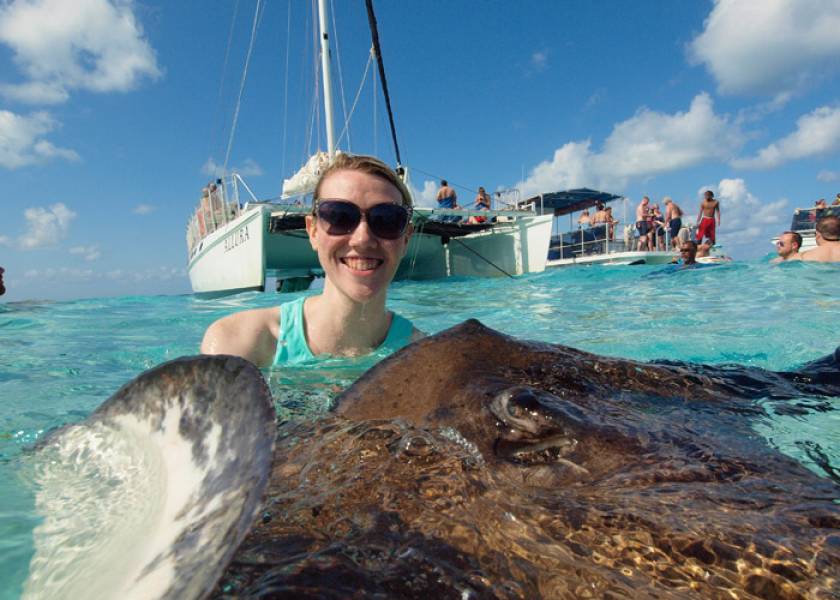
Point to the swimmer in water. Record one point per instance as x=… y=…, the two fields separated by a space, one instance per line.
x=360 y=226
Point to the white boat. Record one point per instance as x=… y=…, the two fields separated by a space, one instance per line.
x=235 y=246
x=603 y=244
x=593 y=245
x=804 y=223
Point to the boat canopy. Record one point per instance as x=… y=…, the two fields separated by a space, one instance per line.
x=569 y=201
x=805 y=219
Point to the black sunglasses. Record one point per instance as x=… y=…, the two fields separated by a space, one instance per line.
x=387 y=220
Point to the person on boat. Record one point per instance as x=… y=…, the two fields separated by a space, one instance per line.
x=788 y=247
x=599 y=222
x=820 y=203
x=446 y=196
x=2 y=285
x=673 y=220
x=611 y=222
x=482 y=202
x=836 y=201
x=657 y=226
x=643 y=223
x=360 y=226
x=709 y=209
x=584 y=220
x=827 y=237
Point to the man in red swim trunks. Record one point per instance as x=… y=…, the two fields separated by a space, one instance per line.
x=709 y=208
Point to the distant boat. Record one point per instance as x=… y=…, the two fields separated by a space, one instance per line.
x=596 y=244
x=235 y=242
x=804 y=223
x=602 y=244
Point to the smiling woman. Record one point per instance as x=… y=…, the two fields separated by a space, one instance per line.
x=360 y=227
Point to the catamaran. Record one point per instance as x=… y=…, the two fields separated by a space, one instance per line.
x=236 y=242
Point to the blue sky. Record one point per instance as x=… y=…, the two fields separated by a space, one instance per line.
x=113 y=114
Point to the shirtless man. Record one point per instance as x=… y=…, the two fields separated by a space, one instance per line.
x=446 y=196
x=584 y=220
x=599 y=217
x=788 y=247
x=828 y=241
x=642 y=223
x=709 y=208
x=673 y=220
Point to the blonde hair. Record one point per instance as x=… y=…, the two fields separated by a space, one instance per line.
x=370 y=166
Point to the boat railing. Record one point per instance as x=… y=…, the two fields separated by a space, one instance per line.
x=220 y=203
x=587 y=241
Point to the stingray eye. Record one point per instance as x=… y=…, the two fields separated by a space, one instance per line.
x=521 y=408
x=524 y=403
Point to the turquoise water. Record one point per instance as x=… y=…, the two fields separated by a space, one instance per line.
x=60 y=360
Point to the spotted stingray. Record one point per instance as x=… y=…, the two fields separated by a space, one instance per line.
x=471 y=464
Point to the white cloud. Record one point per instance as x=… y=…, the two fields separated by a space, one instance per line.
x=34 y=92
x=248 y=168
x=828 y=176
x=45 y=226
x=63 y=274
x=539 y=60
x=647 y=144
x=76 y=275
x=90 y=253
x=5 y=241
x=95 y=45
x=160 y=273
x=816 y=133
x=769 y=46
x=427 y=197
x=744 y=218
x=155 y=274
x=143 y=209
x=22 y=142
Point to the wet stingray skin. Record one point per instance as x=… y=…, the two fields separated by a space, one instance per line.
x=471 y=464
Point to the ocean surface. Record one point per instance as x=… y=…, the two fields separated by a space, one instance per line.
x=60 y=360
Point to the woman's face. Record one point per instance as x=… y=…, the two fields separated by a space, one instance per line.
x=359 y=264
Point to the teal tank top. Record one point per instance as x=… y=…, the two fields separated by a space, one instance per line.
x=292 y=348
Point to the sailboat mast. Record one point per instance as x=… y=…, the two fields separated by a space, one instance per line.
x=323 y=19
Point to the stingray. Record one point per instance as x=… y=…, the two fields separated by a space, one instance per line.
x=472 y=464
x=151 y=495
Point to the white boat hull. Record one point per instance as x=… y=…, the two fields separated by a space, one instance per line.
x=616 y=258
x=517 y=247
x=231 y=259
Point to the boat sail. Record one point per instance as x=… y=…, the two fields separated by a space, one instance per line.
x=235 y=246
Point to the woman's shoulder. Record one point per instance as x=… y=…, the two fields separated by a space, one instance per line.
x=251 y=334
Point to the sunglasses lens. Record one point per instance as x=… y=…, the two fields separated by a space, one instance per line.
x=387 y=221
x=341 y=217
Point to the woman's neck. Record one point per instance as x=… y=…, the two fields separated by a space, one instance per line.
x=338 y=325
